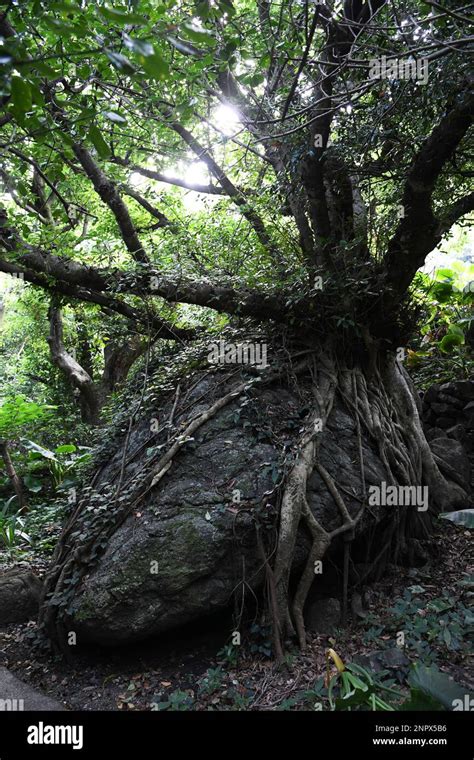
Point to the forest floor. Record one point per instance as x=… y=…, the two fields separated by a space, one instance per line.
x=198 y=669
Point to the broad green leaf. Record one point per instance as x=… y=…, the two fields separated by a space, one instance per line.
x=123 y=16
x=33 y=484
x=450 y=341
x=21 y=96
x=58 y=26
x=65 y=448
x=442 y=291
x=156 y=67
x=203 y=9
x=198 y=33
x=227 y=7
x=120 y=61
x=98 y=142
x=456 y=330
x=183 y=47
x=421 y=701
x=138 y=46
x=444 y=275
x=463 y=517
x=37 y=449
x=436 y=684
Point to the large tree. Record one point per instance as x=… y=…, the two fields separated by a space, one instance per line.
x=331 y=140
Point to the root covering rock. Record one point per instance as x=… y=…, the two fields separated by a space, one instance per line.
x=192 y=544
x=158 y=541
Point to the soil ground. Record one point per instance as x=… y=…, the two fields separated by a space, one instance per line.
x=195 y=668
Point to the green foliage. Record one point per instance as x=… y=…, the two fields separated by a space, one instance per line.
x=43 y=525
x=12 y=525
x=436 y=685
x=261 y=640
x=355 y=688
x=17 y=413
x=211 y=681
x=229 y=654
x=178 y=700
x=432 y=629
x=445 y=349
x=61 y=466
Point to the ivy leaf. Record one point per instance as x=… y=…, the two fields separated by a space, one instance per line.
x=98 y=142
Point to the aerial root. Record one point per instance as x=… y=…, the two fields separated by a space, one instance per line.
x=294 y=493
x=382 y=406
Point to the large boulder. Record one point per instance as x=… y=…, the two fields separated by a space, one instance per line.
x=450 y=407
x=19 y=596
x=453 y=460
x=191 y=543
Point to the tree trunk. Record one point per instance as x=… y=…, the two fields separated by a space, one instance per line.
x=14 y=477
x=77 y=376
x=118 y=358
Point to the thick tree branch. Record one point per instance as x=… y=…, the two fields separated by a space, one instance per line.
x=88 y=284
x=419 y=231
x=143 y=319
x=107 y=190
x=119 y=357
x=13 y=475
x=41 y=175
x=68 y=277
x=456 y=211
x=163 y=220
x=160 y=177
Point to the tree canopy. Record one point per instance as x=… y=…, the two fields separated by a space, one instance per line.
x=157 y=156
